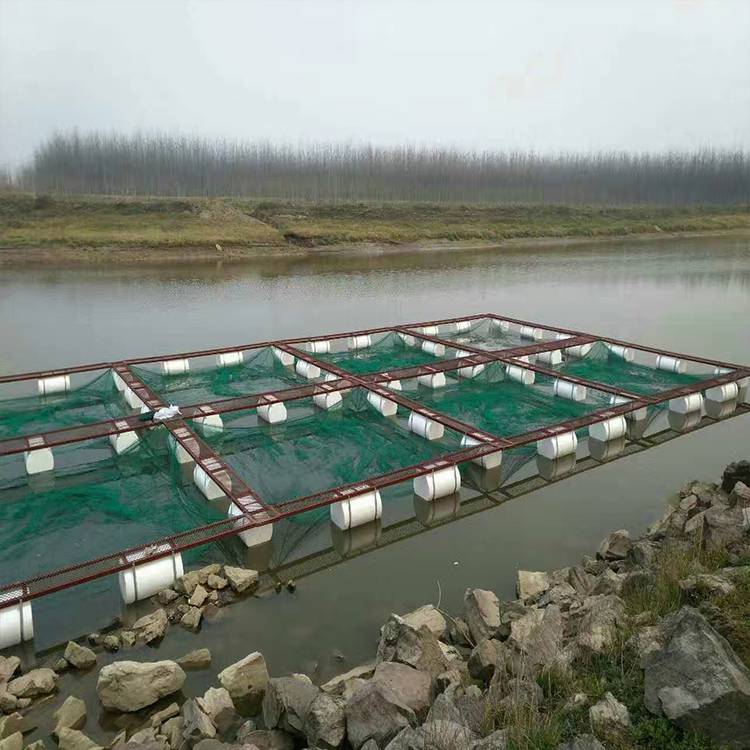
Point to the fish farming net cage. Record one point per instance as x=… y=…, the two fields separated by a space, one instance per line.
x=141 y=465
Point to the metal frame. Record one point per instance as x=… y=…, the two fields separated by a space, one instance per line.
x=255 y=511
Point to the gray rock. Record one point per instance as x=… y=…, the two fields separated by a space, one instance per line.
x=582 y=742
x=458 y=632
x=242 y=733
x=609 y=714
x=200 y=658
x=217 y=704
x=128 y=638
x=694 y=678
x=446 y=735
x=408 y=739
x=428 y=616
x=615 y=546
x=706 y=584
x=608 y=582
x=374 y=713
x=8 y=702
x=246 y=680
x=643 y=553
x=580 y=580
x=217 y=582
x=196 y=725
x=637 y=581
x=482 y=613
x=417 y=648
x=265 y=739
x=739 y=496
x=70 y=715
x=723 y=526
x=602 y=615
x=73 y=739
x=8 y=667
x=111 y=642
x=209 y=744
x=484 y=658
x=38 y=745
x=165 y=714
x=191 y=620
x=186 y=584
x=14 y=723
x=530 y=585
x=287 y=701
x=13 y=742
x=172 y=730
x=167 y=596
x=198 y=597
x=34 y=683
x=151 y=627
x=143 y=736
x=130 y=686
x=412 y=687
x=81 y=657
x=563 y=595
x=498 y=740
x=241 y=579
x=338 y=684
x=538 y=635
x=444 y=709
x=325 y=723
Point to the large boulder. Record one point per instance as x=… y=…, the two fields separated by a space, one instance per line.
x=8 y=667
x=287 y=701
x=375 y=713
x=130 y=686
x=723 y=526
x=268 y=739
x=81 y=657
x=73 y=739
x=738 y=471
x=601 y=617
x=417 y=648
x=530 y=585
x=412 y=687
x=484 y=658
x=615 y=546
x=241 y=579
x=70 y=715
x=246 y=680
x=217 y=704
x=34 y=683
x=430 y=617
x=325 y=723
x=694 y=678
x=12 y=742
x=609 y=715
x=151 y=627
x=538 y=635
x=482 y=613
x=196 y=725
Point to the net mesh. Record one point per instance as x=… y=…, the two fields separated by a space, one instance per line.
x=484 y=334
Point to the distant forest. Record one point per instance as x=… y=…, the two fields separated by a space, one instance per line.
x=181 y=166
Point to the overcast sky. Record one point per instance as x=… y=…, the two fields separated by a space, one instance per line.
x=532 y=75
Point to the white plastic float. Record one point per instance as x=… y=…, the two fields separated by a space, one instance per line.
x=520 y=374
x=488 y=461
x=407 y=339
x=556 y=446
x=207 y=486
x=434 y=380
x=145 y=579
x=569 y=390
x=425 y=427
x=119 y=382
x=609 y=429
x=394 y=385
x=689 y=404
x=357 y=510
x=230 y=359
x=39 y=458
x=530 y=332
x=16 y=623
x=285 y=358
x=553 y=357
x=257 y=535
x=462 y=326
x=327 y=400
x=307 y=369
x=434 y=348
x=272 y=413
x=742 y=385
x=181 y=455
x=122 y=441
x=429 y=330
x=722 y=393
x=54 y=384
x=317 y=347
x=438 y=483
x=503 y=325
x=670 y=364
x=210 y=422
x=634 y=416
x=131 y=399
x=384 y=405
x=574 y=351
x=353 y=343
x=330 y=376
x=175 y=366
x=623 y=352
x=471 y=371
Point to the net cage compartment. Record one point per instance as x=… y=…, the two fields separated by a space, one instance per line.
x=315 y=437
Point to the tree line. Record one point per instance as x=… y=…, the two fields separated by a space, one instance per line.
x=96 y=163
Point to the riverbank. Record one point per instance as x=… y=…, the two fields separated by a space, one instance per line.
x=645 y=645
x=123 y=231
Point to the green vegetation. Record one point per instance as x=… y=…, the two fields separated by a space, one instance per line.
x=42 y=221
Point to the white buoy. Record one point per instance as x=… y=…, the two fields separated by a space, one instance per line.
x=394 y=385
x=16 y=622
x=272 y=413
x=670 y=364
x=488 y=461
x=434 y=380
x=686 y=404
x=230 y=359
x=553 y=357
x=606 y=450
x=307 y=369
x=39 y=458
x=131 y=399
x=256 y=536
x=608 y=429
x=623 y=352
x=353 y=343
x=425 y=427
x=384 y=405
x=175 y=366
x=520 y=374
x=330 y=377
x=438 y=483
x=210 y=423
x=569 y=390
x=530 y=332
x=429 y=330
x=557 y=446
x=119 y=382
x=503 y=325
x=285 y=358
x=317 y=347
x=407 y=339
x=635 y=416
x=122 y=441
x=721 y=393
x=54 y=384
x=327 y=400
x=180 y=453
x=357 y=510
x=209 y=488
x=145 y=579
x=433 y=348
x=470 y=371
x=462 y=326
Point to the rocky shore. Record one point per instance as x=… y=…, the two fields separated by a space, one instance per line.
x=645 y=644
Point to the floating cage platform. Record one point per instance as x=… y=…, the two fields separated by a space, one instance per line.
x=98 y=477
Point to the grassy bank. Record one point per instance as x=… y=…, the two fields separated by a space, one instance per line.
x=28 y=221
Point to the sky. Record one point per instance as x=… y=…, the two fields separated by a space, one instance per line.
x=537 y=75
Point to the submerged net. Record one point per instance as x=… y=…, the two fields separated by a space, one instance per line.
x=259 y=373
x=94 y=401
x=485 y=334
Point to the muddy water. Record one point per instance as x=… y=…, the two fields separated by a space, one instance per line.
x=685 y=295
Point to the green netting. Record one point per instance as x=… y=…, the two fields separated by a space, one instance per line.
x=486 y=335
x=318 y=449
x=91 y=508
x=389 y=353
x=599 y=365
x=259 y=373
x=95 y=401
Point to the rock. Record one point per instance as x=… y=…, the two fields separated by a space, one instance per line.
x=428 y=616
x=142 y=737
x=186 y=583
x=241 y=579
x=521 y=694
x=198 y=597
x=538 y=635
x=128 y=638
x=196 y=725
x=111 y=643
x=615 y=546
x=191 y=620
x=637 y=581
x=723 y=526
x=264 y=739
x=81 y=657
x=484 y=658
x=740 y=496
x=563 y=595
x=417 y=648
x=14 y=723
x=24 y=703
x=608 y=582
x=325 y=723
x=374 y=712
x=706 y=584
x=129 y=686
x=482 y=613
x=38 y=745
x=72 y=739
x=609 y=714
x=34 y=683
x=530 y=585
x=70 y=715
x=247 y=727
x=643 y=553
x=217 y=704
x=498 y=740
x=408 y=739
x=200 y=658
x=172 y=730
x=582 y=742
x=246 y=680
x=151 y=627
x=412 y=687
x=458 y=632
x=287 y=701
x=695 y=679
x=8 y=702
x=165 y=714
x=8 y=667
x=216 y=582
x=167 y=596
x=13 y=742
x=338 y=683
x=446 y=735
x=738 y=471
x=602 y=615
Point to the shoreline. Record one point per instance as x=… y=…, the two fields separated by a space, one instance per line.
x=61 y=255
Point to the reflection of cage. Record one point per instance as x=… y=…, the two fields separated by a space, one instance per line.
x=569 y=383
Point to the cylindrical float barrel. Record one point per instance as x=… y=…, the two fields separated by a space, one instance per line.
x=16 y=623
x=385 y=406
x=571 y=391
x=357 y=510
x=721 y=393
x=608 y=429
x=438 y=483
x=553 y=357
x=407 y=339
x=255 y=536
x=123 y=441
x=54 y=384
x=520 y=374
x=359 y=342
x=39 y=460
x=425 y=427
x=434 y=380
x=209 y=488
x=556 y=446
x=434 y=348
x=307 y=369
x=530 y=332
x=686 y=404
x=285 y=358
x=462 y=326
x=210 y=423
x=318 y=347
x=488 y=461
x=327 y=400
x=175 y=366
x=670 y=364
x=623 y=352
x=272 y=413
x=143 y=580
x=230 y=359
